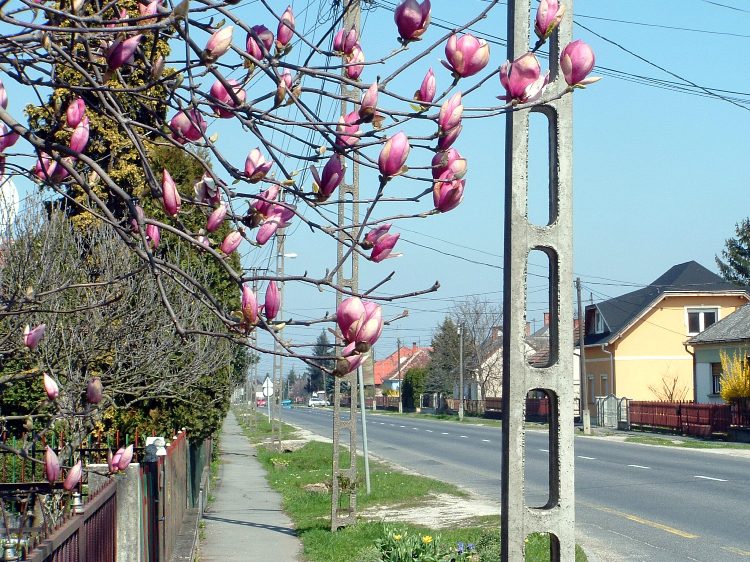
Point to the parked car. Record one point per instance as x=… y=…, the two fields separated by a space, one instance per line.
x=315 y=401
x=260 y=402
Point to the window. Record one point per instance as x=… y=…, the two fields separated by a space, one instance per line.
x=598 y=323
x=701 y=318
x=605 y=385
x=715 y=378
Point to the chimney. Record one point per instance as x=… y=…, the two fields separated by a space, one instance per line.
x=413 y=347
x=546 y=319
x=496 y=333
x=528 y=329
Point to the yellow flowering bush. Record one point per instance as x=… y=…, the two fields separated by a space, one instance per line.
x=735 y=376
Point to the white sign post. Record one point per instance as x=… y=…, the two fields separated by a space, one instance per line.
x=268 y=392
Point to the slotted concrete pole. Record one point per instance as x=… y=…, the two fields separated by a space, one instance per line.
x=555 y=240
x=344 y=478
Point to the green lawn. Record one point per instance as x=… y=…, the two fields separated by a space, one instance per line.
x=290 y=472
x=685 y=443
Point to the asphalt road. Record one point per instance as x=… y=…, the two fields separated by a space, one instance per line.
x=633 y=502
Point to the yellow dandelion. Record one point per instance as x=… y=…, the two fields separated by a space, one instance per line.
x=427 y=539
x=396 y=537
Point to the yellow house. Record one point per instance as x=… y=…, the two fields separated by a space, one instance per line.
x=635 y=343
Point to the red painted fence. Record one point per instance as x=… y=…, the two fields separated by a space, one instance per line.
x=701 y=420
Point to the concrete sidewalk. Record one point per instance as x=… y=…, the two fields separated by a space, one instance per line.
x=245 y=522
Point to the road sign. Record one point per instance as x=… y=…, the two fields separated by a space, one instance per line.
x=267 y=387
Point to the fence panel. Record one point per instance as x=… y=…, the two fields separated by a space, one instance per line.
x=90 y=536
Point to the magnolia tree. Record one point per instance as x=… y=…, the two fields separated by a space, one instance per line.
x=120 y=80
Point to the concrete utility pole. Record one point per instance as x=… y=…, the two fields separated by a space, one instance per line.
x=344 y=479
x=400 y=378
x=461 y=372
x=583 y=382
x=278 y=359
x=557 y=516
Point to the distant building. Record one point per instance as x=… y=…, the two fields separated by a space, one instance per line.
x=9 y=204
x=388 y=375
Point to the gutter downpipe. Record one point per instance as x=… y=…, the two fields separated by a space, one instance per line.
x=611 y=365
x=695 y=374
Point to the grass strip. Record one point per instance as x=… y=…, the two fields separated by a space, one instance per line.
x=303 y=479
x=685 y=443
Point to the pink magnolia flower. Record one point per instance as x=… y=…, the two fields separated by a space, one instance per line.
x=285 y=31
x=523 y=80
x=348 y=363
x=446 y=140
x=355 y=63
x=51 y=465
x=393 y=155
x=76 y=111
x=265 y=202
x=360 y=322
x=576 y=62
x=125 y=457
x=187 y=126
x=273 y=301
x=170 y=196
x=223 y=96
x=112 y=460
x=467 y=55
x=50 y=387
x=147 y=9
x=94 y=390
x=447 y=192
x=451 y=113
x=277 y=217
x=80 y=137
x=266 y=40
x=548 y=17
x=153 y=236
x=137 y=220
x=284 y=85
x=218 y=44
x=412 y=19
x=375 y=234
x=333 y=174
x=448 y=160
x=203 y=241
x=231 y=242
x=347 y=129
x=426 y=92
x=73 y=477
x=216 y=219
x=383 y=248
x=49 y=169
x=369 y=102
x=249 y=305
x=8 y=137
x=3 y=96
x=256 y=166
x=32 y=337
x=206 y=191
x=344 y=42
x=121 y=52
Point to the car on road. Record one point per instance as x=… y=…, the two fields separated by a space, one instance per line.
x=315 y=401
x=260 y=402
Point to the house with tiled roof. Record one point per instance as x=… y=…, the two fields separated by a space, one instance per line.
x=389 y=372
x=635 y=344
x=730 y=336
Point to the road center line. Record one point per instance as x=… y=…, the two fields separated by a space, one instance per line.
x=587 y=458
x=544 y=450
x=710 y=478
x=647 y=522
x=444 y=433
x=415 y=428
x=428 y=430
x=486 y=440
x=402 y=426
x=463 y=436
x=639 y=466
x=735 y=550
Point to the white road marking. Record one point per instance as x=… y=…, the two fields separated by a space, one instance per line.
x=639 y=466
x=444 y=433
x=463 y=436
x=710 y=478
x=544 y=450
x=428 y=430
x=402 y=426
x=587 y=458
x=486 y=440
x=415 y=428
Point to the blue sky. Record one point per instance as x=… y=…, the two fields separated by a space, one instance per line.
x=659 y=175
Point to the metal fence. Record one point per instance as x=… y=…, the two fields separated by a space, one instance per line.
x=83 y=537
x=700 y=420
